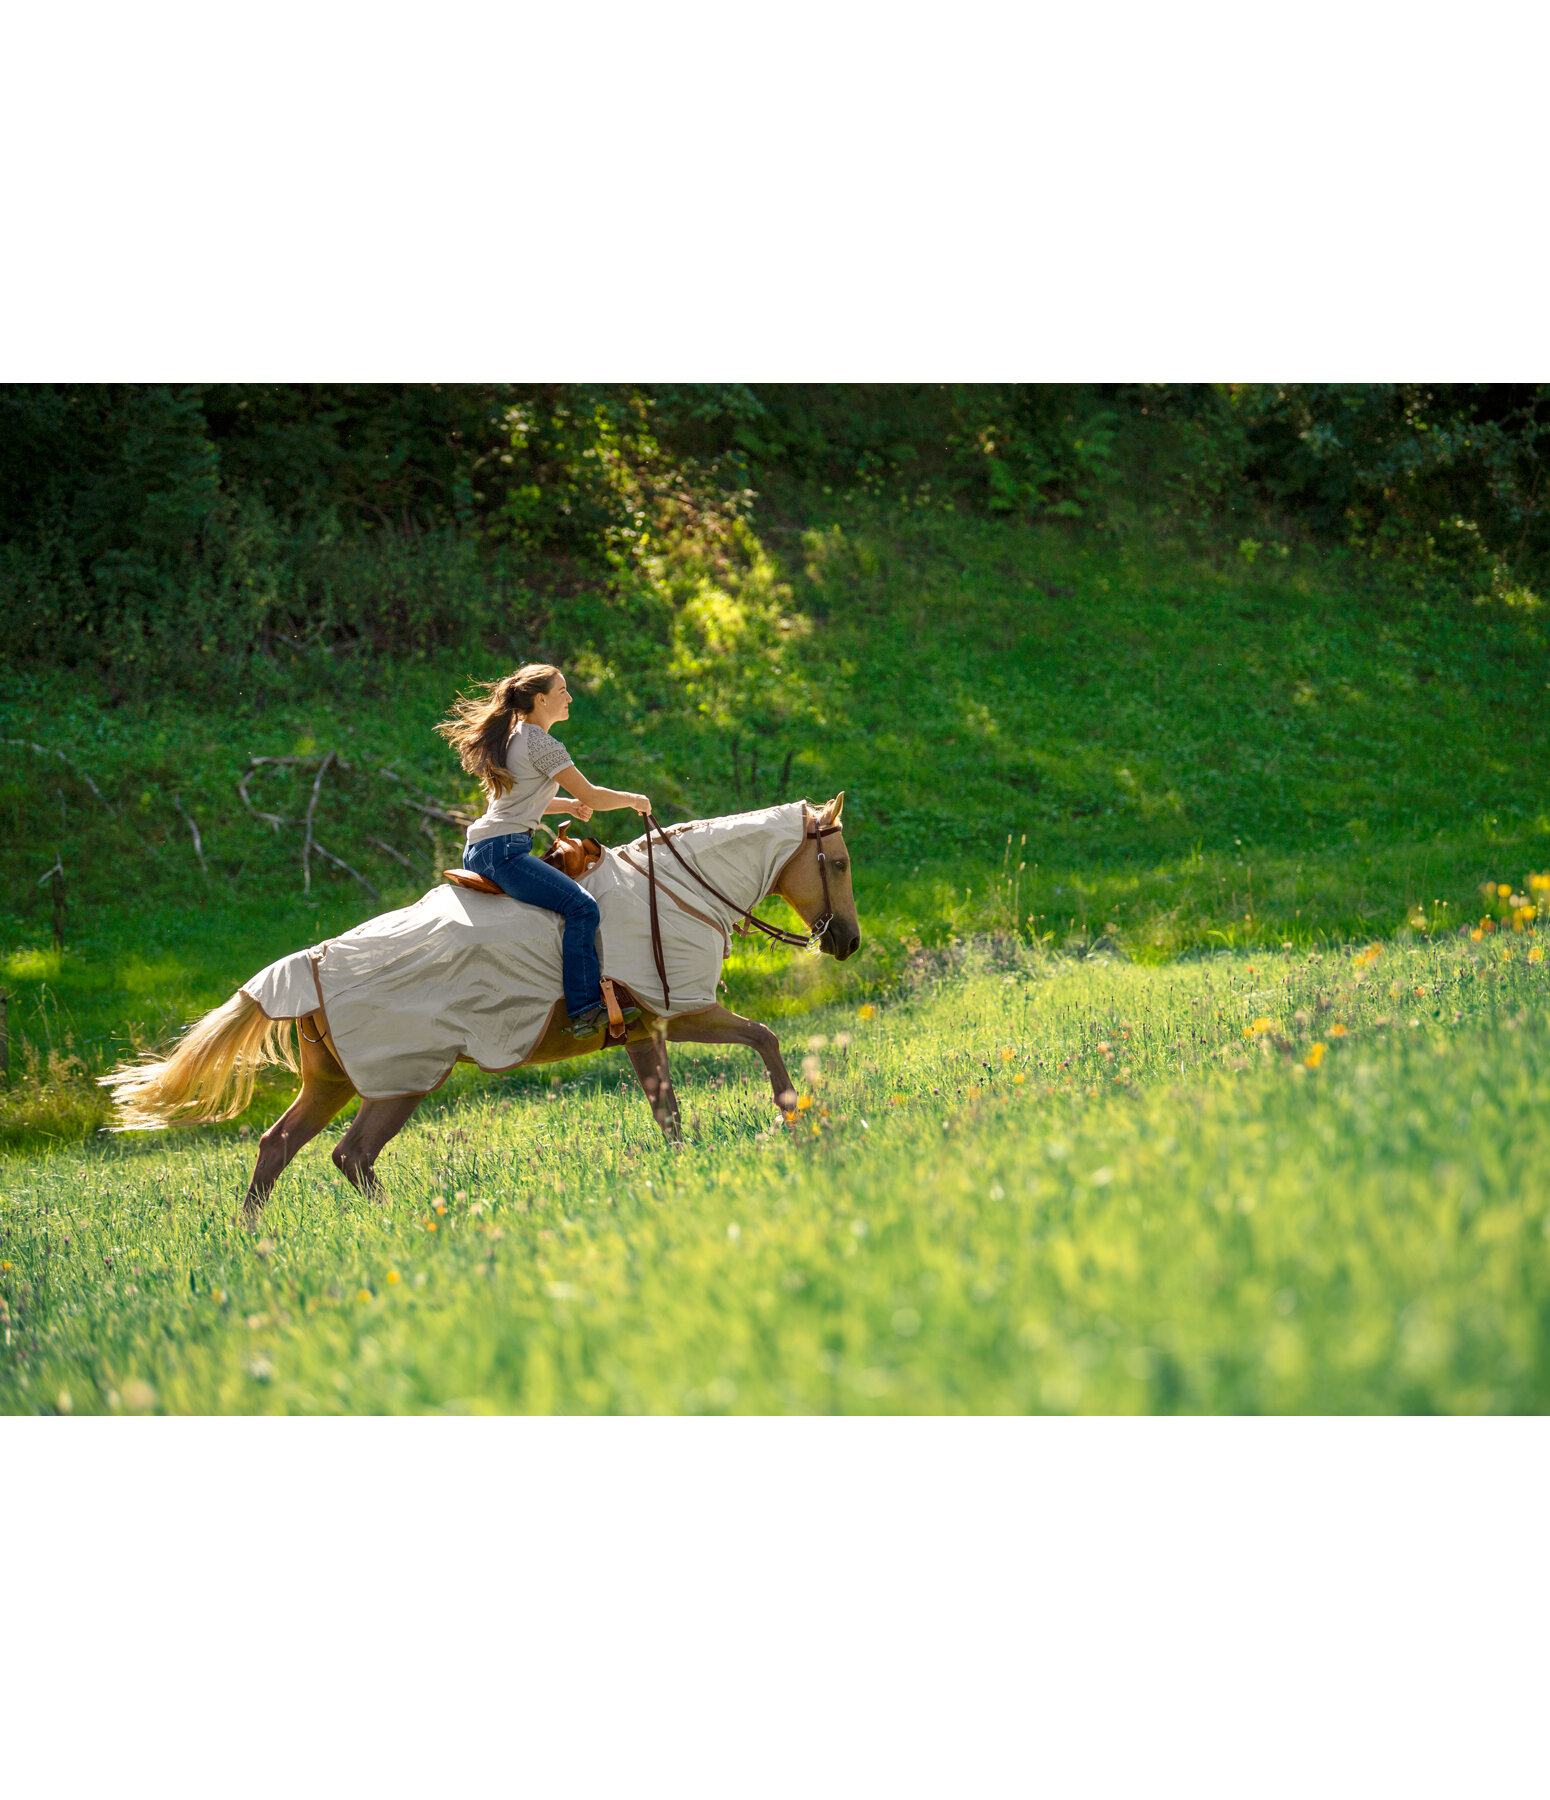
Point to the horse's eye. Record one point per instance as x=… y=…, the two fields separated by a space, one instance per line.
x=841 y=866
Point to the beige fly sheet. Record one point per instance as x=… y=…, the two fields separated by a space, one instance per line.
x=462 y=974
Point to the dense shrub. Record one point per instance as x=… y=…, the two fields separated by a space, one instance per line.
x=167 y=532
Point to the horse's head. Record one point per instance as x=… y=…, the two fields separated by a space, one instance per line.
x=801 y=882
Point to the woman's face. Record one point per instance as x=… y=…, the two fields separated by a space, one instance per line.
x=554 y=707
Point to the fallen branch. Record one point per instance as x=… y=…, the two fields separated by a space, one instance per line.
x=44 y=750
x=338 y=863
x=388 y=850
x=273 y=819
x=312 y=806
x=199 y=849
x=459 y=819
x=424 y=806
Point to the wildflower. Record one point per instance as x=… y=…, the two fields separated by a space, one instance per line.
x=364 y=1294
x=441 y=1207
x=867 y=1012
x=5 y=1268
x=1536 y=955
x=842 y=1040
x=804 y=1101
x=430 y=1225
x=1476 y=935
x=1007 y=1055
x=818 y=1041
x=1260 y=1027
x=393 y=1277
x=1316 y=1054
x=1503 y=889
x=1506 y=956
x=1017 y=1080
x=1338 y=1031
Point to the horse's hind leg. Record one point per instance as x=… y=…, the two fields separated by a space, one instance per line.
x=325 y=1088
x=355 y=1155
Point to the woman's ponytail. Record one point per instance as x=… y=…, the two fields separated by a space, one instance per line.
x=480 y=725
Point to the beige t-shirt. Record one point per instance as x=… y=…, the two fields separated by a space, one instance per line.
x=533 y=759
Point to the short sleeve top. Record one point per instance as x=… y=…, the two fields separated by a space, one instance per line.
x=534 y=760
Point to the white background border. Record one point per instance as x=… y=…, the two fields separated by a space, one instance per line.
x=816 y=192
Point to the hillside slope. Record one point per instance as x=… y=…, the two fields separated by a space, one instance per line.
x=1196 y=752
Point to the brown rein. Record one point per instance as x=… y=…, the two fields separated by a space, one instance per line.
x=815 y=931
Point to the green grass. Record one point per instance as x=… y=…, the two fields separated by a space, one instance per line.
x=1170 y=1210
x=1187 y=754
x=1213 y=769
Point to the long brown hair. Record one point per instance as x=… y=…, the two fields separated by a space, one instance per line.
x=480 y=724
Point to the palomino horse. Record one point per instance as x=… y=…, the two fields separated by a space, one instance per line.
x=210 y=1075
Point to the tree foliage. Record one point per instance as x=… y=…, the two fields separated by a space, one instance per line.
x=159 y=530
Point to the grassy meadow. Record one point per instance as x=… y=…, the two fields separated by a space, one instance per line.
x=1170 y=1078
x=1268 y=1183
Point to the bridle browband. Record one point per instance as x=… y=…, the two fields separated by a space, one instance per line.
x=815 y=931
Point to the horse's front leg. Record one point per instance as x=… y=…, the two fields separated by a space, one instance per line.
x=355 y=1155
x=720 y=1025
x=648 y=1058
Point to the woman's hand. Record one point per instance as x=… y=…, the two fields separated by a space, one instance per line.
x=640 y=802
x=578 y=809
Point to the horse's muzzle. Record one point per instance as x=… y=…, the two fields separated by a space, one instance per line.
x=842 y=940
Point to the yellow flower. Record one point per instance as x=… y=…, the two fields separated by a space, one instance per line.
x=1261 y=1026
x=805 y=1101
x=1536 y=954
x=1477 y=934
x=441 y=1207
x=392 y=1276
x=1007 y=1055
x=5 y=1268
x=1338 y=1031
x=430 y=1225
x=1316 y=1055
x=364 y=1294
x=1504 y=888
x=1506 y=956
x=867 y=1012
x=1018 y=1080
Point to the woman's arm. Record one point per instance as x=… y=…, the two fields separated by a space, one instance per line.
x=574 y=809
x=600 y=799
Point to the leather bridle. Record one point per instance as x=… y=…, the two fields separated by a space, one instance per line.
x=815 y=931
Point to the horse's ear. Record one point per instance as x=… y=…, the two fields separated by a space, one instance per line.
x=831 y=813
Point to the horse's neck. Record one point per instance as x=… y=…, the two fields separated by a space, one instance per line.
x=745 y=830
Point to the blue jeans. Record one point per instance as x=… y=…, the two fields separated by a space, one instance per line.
x=510 y=864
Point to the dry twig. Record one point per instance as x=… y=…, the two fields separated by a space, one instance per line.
x=44 y=750
x=199 y=849
x=312 y=806
x=388 y=850
x=338 y=863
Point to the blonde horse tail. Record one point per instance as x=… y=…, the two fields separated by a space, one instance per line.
x=209 y=1075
